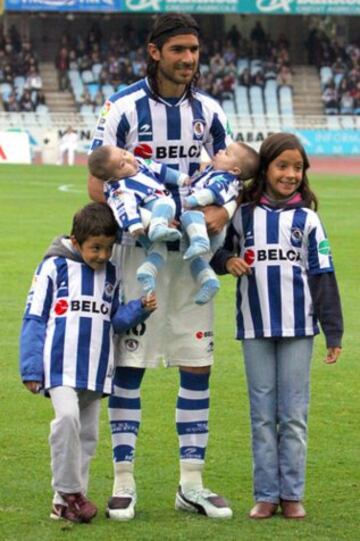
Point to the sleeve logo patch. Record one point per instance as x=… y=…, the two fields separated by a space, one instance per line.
x=324 y=247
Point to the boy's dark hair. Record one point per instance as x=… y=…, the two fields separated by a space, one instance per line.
x=93 y=220
x=166 y=26
x=270 y=149
x=98 y=163
x=250 y=161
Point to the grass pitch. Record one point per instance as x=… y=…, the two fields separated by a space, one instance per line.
x=37 y=203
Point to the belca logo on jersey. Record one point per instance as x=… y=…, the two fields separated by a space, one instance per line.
x=62 y=306
x=163 y=152
x=271 y=254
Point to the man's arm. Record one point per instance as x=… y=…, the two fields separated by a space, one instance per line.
x=95 y=189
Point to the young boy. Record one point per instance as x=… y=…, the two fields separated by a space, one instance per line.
x=131 y=184
x=66 y=347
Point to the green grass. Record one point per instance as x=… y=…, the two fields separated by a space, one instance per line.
x=33 y=211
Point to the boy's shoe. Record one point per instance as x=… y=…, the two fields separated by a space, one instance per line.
x=79 y=505
x=62 y=512
x=203 y=501
x=121 y=506
x=207 y=291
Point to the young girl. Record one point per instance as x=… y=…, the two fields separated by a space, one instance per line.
x=278 y=248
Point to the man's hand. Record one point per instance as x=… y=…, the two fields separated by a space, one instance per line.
x=96 y=189
x=216 y=218
x=237 y=266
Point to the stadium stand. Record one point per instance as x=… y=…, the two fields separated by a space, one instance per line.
x=254 y=79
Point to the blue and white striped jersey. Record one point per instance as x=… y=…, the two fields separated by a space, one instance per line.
x=282 y=246
x=67 y=333
x=126 y=195
x=224 y=185
x=171 y=131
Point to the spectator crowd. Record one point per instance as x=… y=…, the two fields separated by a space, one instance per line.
x=93 y=66
x=21 y=85
x=339 y=68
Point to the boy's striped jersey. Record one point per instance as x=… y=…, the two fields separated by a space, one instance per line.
x=182 y=126
x=68 y=311
x=282 y=246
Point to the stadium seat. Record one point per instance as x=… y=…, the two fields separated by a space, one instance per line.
x=285 y=100
x=92 y=89
x=271 y=98
x=87 y=76
x=42 y=109
x=326 y=75
x=242 y=64
x=19 y=83
x=5 y=90
x=204 y=69
x=331 y=111
x=256 y=100
x=347 y=122
x=229 y=107
x=338 y=78
x=242 y=100
x=74 y=76
x=96 y=69
x=86 y=109
x=257 y=106
x=107 y=90
x=333 y=122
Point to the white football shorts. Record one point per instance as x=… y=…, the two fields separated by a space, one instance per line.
x=179 y=332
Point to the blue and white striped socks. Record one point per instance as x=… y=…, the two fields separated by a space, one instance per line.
x=192 y=414
x=125 y=416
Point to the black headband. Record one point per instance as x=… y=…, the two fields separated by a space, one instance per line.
x=160 y=37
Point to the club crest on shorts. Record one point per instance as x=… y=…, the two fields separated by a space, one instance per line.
x=131 y=344
x=198 y=129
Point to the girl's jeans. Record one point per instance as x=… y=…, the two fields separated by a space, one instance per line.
x=278 y=377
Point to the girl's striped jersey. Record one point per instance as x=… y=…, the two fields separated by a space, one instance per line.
x=67 y=333
x=171 y=131
x=282 y=246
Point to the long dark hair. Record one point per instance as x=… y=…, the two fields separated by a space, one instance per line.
x=270 y=149
x=165 y=27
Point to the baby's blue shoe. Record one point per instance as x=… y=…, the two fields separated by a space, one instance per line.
x=207 y=291
x=162 y=233
x=147 y=281
x=198 y=246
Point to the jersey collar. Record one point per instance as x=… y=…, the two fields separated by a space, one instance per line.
x=170 y=102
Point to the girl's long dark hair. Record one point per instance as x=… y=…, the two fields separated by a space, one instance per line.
x=270 y=149
x=166 y=26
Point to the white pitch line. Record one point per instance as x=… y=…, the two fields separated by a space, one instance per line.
x=69 y=188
